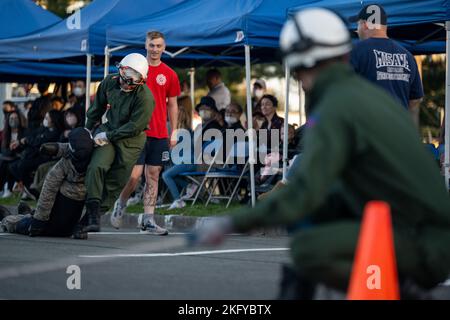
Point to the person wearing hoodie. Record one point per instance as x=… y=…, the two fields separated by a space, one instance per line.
x=62 y=199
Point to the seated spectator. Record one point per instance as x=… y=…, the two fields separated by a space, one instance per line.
x=272 y=123
x=269 y=106
x=233 y=114
x=258 y=120
x=30 y=160
x=274 y=160
x=62 y=200
x=40 y=107
x=10 y=149
x=208 y=112
x=170 y=176
x=72 y=120
x=8 y=107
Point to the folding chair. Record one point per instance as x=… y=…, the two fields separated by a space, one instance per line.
x=229 y=176
x=197 y=177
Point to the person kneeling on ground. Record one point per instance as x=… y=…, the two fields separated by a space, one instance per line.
x=62 y=199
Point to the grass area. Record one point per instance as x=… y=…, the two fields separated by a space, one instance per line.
x=199 y=210
x=14 y=201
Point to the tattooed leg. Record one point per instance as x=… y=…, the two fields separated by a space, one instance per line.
x=151 y=188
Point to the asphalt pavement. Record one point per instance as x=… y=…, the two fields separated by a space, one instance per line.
x=129 y=265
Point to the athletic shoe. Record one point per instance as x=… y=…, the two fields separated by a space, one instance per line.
x=150 y=227
x=190 y=191
x=117 y=215
x=177 y=204
x=6 y=194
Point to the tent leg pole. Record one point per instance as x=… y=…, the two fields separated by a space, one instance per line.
x=107 y=56
x=88 y=79
x=192 y=85
x=301 y=103
x=286 y=123
x=447 y=109
x=251 y=132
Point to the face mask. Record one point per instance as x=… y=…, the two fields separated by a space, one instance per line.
x=45 y=123
x=205 y=114
x=13 y=123
x=71 y=121
x=230 y=120
x=259 y=93
x=77 y=91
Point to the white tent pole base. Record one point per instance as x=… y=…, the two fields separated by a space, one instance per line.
x=286 y=123
x=88 y=79
x=252 y=148
x=447 y=109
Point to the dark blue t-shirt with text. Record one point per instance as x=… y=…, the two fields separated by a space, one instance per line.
x=389 y=65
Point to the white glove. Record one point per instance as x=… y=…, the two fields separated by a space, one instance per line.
x=101 y=139
x=213 y=233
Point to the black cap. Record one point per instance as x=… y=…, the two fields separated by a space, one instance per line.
x=369 y=11
x=207 y=101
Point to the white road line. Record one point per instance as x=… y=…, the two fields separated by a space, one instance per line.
x=146 y=234
x=175 y=254
x=129 y=233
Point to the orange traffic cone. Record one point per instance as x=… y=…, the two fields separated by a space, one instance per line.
x=374 y=273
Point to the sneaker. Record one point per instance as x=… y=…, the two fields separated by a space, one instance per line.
x=177 y=204
x=150 y=227
x=190 y=191
x=117 y=215
x=6 y=194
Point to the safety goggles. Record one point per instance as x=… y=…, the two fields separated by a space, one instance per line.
x=129 y=75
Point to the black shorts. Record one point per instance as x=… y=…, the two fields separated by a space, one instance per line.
x=155 y=153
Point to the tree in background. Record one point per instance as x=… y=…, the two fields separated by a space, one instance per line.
x=60 y=7
x=433 y=79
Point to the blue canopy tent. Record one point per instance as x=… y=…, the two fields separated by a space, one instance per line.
x=423 y=26
x=21 y=17
x=203 y=26
x=32 y=71
x=220 y=27
x=418 y=25
x=80 y=35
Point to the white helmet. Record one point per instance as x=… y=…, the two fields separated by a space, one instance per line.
x=313 y=35
x=136 y=62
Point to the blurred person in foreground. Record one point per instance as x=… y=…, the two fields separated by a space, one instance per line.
x=359 y=146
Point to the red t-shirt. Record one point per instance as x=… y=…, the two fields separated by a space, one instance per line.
x=163 y=83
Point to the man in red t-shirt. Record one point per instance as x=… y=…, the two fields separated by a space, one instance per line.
x=164 y=84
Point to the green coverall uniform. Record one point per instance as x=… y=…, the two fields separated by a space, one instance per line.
x=360 y=145
x=128 y=115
